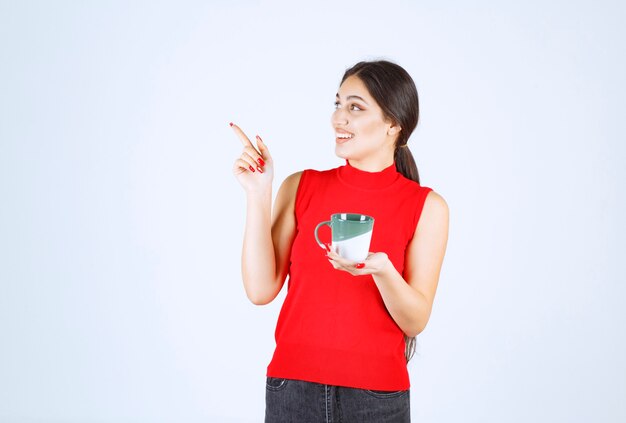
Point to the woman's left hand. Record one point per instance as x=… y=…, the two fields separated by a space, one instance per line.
x=373 y=264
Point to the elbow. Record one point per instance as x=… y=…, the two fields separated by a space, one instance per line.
x=259 y=300
x=415 y=330
x=412 y=333
x=261 y=292
x=419 y=323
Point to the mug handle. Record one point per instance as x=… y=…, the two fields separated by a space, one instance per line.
x=319 y=225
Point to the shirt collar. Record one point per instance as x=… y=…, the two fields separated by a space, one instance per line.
x=368 y=180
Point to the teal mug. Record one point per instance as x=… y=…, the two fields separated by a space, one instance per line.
x=351 y=234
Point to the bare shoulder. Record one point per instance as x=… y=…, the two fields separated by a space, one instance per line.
x=291 y=182
x=436 y=202
x=288 y=189
x=435 y=213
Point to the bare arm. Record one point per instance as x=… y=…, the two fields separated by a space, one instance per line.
x=267 y=246
x=410 y=303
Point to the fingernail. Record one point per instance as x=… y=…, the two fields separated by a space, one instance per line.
x=259 y=138
x=251 y=168
x=231 y=124
x=360 y=265
x=261 y=162
x=259 y=169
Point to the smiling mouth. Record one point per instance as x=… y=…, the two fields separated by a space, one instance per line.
x=341 y=138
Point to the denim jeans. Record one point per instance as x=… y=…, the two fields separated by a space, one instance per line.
x=297 y=401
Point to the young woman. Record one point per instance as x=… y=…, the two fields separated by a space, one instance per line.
x=346 y=329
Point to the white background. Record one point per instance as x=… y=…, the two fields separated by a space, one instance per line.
x=121 y=224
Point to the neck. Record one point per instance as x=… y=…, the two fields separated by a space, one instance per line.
x=371 y=165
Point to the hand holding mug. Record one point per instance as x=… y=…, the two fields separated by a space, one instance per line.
x=374 y=263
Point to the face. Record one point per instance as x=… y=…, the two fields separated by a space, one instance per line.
x=359 y=118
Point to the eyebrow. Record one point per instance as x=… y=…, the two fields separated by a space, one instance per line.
x=353 y=96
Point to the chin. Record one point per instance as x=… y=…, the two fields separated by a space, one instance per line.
x=341 y=155
x=346 y=155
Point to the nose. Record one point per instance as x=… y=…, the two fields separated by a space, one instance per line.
x=339 y=118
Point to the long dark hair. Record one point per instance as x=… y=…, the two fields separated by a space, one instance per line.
x=394 y=90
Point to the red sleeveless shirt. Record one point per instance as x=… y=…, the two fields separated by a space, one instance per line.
x=334 y=328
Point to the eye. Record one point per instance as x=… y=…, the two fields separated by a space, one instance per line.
x=352 y=105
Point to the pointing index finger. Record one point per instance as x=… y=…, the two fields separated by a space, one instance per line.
x=244 y=139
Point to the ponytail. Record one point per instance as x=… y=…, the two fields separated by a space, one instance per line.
x=405 y=163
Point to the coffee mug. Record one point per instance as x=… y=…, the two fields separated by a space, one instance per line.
x=351 y=234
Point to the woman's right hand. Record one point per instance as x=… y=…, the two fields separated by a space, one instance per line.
x=254 y=169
